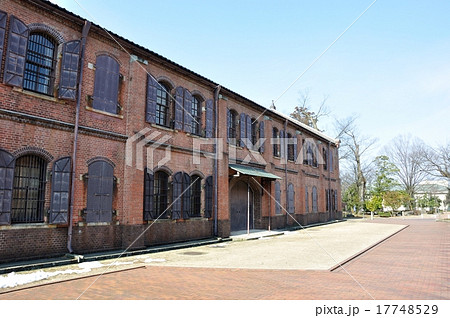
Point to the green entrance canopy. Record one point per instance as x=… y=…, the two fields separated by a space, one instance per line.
x=255 y=172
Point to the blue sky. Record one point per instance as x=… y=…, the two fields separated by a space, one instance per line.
x=391 y=68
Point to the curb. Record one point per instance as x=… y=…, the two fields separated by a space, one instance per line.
x=351 y=258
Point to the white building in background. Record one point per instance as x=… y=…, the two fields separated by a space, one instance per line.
x=436 y=188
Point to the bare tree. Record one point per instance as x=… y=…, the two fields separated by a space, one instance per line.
x=405 y=152
x=436 y=161
x=303 y=112
x=353 y=149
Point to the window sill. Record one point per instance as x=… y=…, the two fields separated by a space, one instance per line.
x=37 y=95
x=163 y=128
x=196 y=136
x=104 y=113
x=28 y=226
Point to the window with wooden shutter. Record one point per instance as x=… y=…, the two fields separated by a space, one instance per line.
x=282 y=144
x=106 y=84
x=208 y=197
x=243 y=125
x=186 y=196
x=232 y=123
x=69 y=70
x=327 y=200
x=314 y=199
x=196 y=113
x=100 y=192
x=261 y=137
x=151 y=99
x=196 y=194
x=178 y=107
x=325 y=159
x=275 y=142
x=59 y=204
x=187 y=107
x=149 y=212
x=306 y=199
x=40 y=64
x=160 y=194
x=28 y=195
x=291 y=202
x=7 y=162
x=16 y=52
x=162 y=105
x=209 y=119
x=248 y=135
x=3 y=18
x=336 y=208
x=294 y=147
x=277 y=198
x=254 y=134
x=331 y=160
x=290 y=147
x=177 y=190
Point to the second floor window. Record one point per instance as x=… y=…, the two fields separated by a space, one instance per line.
x=106 y=84
x=276 y=142
x=231 y=125
x=40 y=64
x=162 y=105
x=196 y=113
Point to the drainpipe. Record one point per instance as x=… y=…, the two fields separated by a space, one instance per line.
x=329 y=182
x=216 y=157
x=285 y=171
x=86 y=27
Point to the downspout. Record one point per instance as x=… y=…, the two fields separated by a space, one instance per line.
x=329 y=182
x=285 y=170
x=86 y=27
x=216 y=157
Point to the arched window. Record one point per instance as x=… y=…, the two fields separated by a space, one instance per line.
x=325 y=159
x=196 y=112
x=162 y=105
x=40 y=63
x=196 y=193
x=208 y=197
x=275 y=142
x=254 y=139
x=161 y=186
x=106 y=84
x=231 y=125
x=291 y=155
x=28 y=195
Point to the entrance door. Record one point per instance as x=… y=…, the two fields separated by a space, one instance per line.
x=239 y=199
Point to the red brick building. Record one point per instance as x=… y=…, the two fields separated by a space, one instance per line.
x=107 y=145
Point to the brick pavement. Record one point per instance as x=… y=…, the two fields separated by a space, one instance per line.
x=413 y=264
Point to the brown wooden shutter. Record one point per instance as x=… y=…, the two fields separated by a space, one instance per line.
x=208 y=197
x=209 y=119
x=100 y=192
x=7 y=163
x=186 y=196
x=59 y=204
x=179 y=99
x=69 y=70
x=16 y=52
x=291 y=202
x=150 y=107
x=177 y=190
x=187 y=105
x=242 y=125
x=261 y=136
x=149 y=212
x=3 y=18
x=106 y=84
x=277 y=197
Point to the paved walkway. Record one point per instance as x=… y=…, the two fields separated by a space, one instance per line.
x=413 y=264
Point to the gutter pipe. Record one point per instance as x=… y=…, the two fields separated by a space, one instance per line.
x=216 y=157
x=86 y=27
